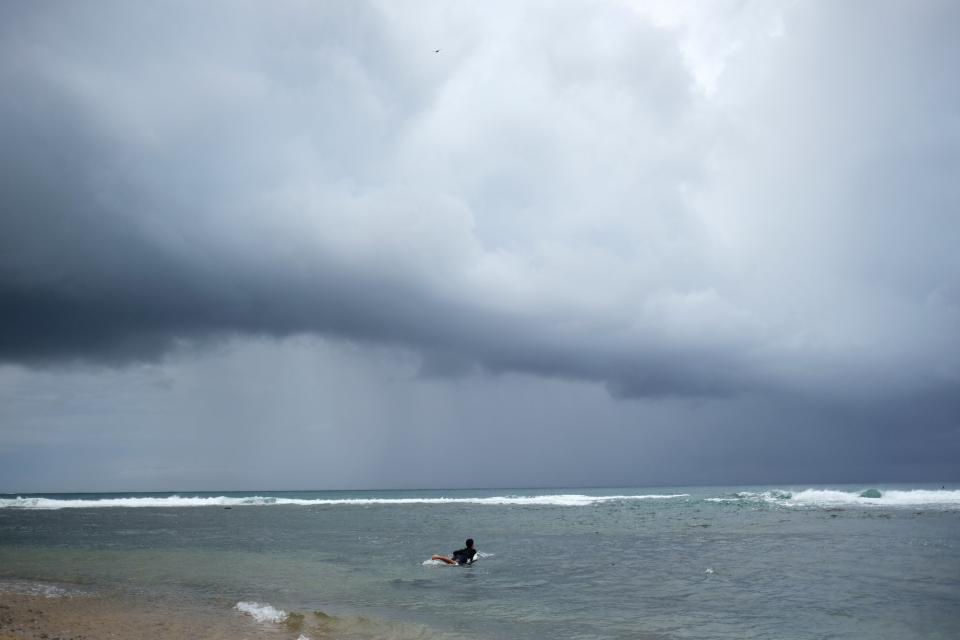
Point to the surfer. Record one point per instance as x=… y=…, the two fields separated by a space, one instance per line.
x=461 y=556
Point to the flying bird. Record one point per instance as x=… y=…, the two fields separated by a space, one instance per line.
x=436 y=50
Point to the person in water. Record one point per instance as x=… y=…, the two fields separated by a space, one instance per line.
x=461 y=556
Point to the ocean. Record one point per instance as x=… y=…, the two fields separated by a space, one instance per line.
x=777 y=562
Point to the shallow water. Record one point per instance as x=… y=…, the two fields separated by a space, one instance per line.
x=734 y=562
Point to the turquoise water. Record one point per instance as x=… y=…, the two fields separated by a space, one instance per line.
x=687 y=562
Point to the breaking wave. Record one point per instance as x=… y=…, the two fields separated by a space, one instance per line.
x=871 y=497
x=261 y=612
x=878 y=497
x=565 y=500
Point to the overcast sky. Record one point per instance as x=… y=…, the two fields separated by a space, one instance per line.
x=435 y=244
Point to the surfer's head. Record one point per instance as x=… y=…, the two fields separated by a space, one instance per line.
x=469 y=543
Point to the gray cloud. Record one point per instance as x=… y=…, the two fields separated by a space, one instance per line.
x=295 y=413
x=574 y=207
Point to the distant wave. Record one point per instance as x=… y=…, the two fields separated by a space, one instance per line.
x=877 y=497
x=566 y=500
x=812 y=498
x=869 y=497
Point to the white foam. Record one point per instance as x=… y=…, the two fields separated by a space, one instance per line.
x=261 y=612
x=866 y=497
x=887 y=498
x=750 y=496
x=22 y=587
x=565 y=500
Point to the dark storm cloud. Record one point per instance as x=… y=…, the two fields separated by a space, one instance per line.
x=571 y=209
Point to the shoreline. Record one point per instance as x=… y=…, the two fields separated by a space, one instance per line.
x=94 y=616
x=44 y=611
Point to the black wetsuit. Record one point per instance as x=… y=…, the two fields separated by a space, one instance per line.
x=464 y=556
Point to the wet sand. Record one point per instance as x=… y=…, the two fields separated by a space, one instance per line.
x=36 y=617
x=122 y=617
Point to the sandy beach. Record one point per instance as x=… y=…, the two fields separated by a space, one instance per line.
x=35 y=617
x=123 y=617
